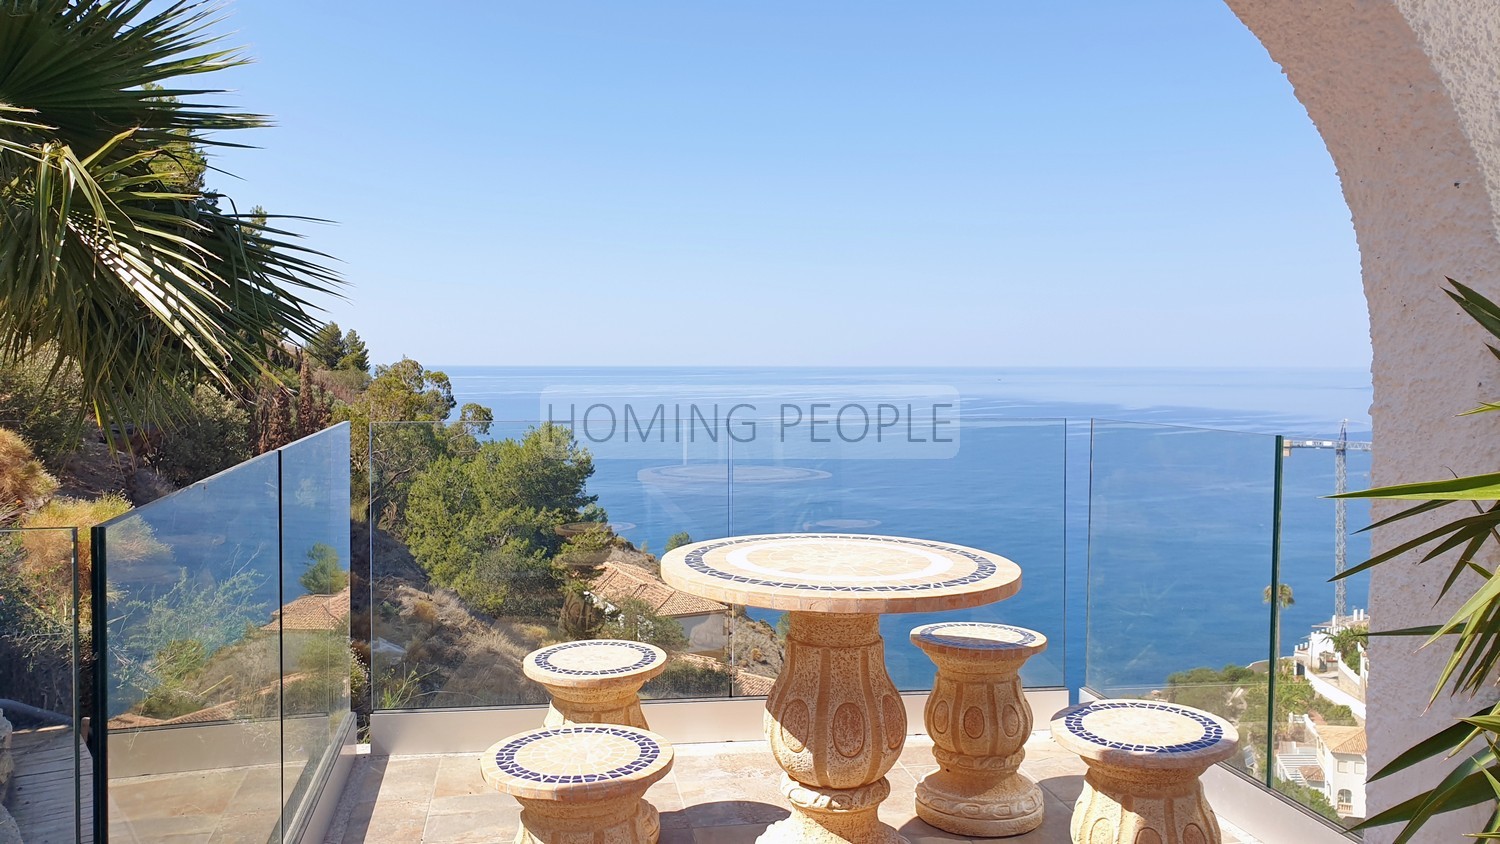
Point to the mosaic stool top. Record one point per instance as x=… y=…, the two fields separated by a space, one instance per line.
x=595 y=662
x=969 y=637
x=1145 y=734
x=577 y=762
x=841 y=573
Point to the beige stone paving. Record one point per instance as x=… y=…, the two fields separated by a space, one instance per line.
x=715 y=794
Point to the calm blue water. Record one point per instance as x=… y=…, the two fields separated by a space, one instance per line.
x=1145 y=546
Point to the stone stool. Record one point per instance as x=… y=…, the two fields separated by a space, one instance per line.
x=1144 y=759
x=979 y=721
x=597 y=681
x=582 y=783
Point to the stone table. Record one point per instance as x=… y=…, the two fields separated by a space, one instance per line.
x=1144 y=759
x=834 y=719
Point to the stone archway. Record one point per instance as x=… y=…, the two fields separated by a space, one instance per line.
x=1406 y=95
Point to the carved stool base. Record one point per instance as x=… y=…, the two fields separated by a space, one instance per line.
x=595 y=706
x=1144 y=758
x=978 y=718
x=832 y=816
x=966 y=805
x=626 y=820
x=1125 y=806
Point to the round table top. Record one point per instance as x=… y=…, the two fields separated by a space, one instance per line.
x=594 y=662
x=576 y=762
x=840 y=573
x=1145 y=734
x=967 y=637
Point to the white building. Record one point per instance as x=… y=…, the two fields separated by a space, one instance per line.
x=1341 y=756
x=1332 y=759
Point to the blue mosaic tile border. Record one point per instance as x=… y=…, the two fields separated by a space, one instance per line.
x=1212 y=732
x=505 y=757
x=544 y=658
x=935 y=633
x=985 y=567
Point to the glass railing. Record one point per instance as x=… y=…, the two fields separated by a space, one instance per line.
x=1181 y=567
x=316 y=660
x=224 y=659
x=479 y=530
x=1199 y=594
x=45 y=768
x=1319 y=752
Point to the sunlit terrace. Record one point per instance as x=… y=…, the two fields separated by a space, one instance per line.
x=230 y=655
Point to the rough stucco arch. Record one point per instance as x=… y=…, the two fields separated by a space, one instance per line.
x=1406 y=94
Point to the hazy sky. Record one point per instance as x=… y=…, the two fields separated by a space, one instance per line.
x=831 y=183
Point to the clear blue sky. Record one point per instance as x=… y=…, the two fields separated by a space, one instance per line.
x=833 y=183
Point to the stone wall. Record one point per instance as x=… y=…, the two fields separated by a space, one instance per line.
x=1405 y=93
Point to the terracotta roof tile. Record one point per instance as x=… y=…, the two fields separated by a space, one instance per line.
x=1344 y=739
x=314 y=612
x=221 y=712
x=753 y=685
x=618 y=581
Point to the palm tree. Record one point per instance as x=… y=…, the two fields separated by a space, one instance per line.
x=113 y=256
x=1284 y=599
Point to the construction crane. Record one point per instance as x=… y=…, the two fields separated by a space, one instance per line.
x=1341 y=448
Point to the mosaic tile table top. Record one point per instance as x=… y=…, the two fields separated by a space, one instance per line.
x=1145 y=734
x=841 y=573
x=597 y=662
x=575 y=763
x=962 y=637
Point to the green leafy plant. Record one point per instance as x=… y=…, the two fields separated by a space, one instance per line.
x=1347 y=642
x=635 y=620
x=1473 y=630
x=399 y=691
x=102 y=207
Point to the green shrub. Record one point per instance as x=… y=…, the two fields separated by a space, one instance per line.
x=635 y=620
x=508 y=581
x=213 y=436
x=1309 y=797
x=47 y=411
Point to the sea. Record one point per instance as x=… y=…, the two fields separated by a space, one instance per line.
x=1149 y=509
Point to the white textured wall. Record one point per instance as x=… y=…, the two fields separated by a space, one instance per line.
x=1406 y=94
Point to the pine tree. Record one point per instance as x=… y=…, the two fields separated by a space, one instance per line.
x=326 y=347
x=356 y=356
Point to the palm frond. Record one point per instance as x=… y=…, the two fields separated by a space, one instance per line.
x=145 y=284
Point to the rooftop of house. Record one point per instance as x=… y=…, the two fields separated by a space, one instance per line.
x=622 y=580
x=1350 y=740
x=314 y=612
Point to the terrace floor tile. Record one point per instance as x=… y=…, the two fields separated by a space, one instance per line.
x=715 y=794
